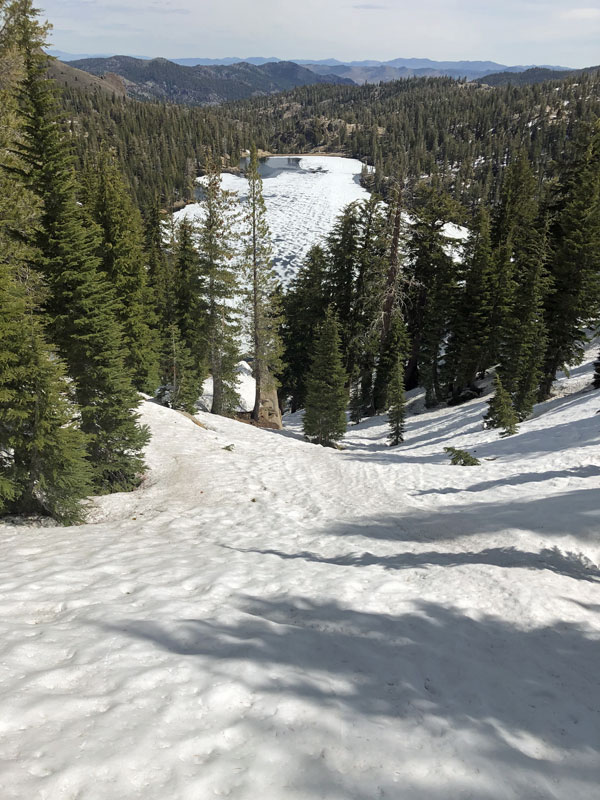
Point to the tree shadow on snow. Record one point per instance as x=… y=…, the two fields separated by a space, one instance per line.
x=576 y=512
x=519 y=703
x=588 y=471
x=569 y=565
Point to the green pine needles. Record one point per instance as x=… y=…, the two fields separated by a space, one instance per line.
x=326 y=393
x=461 y=458
x=501 y=412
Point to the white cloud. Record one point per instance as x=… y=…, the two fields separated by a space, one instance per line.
x=583 y=14
x=507 y=31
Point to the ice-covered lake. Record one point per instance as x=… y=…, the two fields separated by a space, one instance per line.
x=303 y=195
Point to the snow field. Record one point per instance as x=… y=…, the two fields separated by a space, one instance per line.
x=290 y=622
x=302 y=205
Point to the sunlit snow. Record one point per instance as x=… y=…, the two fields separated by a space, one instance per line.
x=265 y=618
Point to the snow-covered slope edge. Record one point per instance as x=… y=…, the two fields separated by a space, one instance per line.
x=285 y=621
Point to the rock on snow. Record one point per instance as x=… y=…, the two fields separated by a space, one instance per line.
x=287 y=622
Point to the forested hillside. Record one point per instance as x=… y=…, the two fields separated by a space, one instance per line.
x=162 y=80
x=464 y=133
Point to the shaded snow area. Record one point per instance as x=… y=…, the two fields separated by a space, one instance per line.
x=303 y=202
x=288 y=622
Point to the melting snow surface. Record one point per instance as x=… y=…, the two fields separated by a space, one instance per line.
x=287 y=622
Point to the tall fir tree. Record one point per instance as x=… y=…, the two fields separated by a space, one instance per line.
x=181 y=385
x=572 y=305
x=43 y=463
x=397 y=404
x=264 y=310
x=190 y=305
x=501 y=412
x=393 y=350
x=304 y=308
x=343 y=247
x=365 y=323
x=432 y=274
x=520 y=287
x=43 y=466
x=470 y=340
x=80 y=305
x=160 y=266
x=124 y=263
x=326 y=393
x=216 y=249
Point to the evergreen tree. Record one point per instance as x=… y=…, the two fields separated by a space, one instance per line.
x=304 y=309
x=326 y=395
x=189 y=311
x=160 y=268
x=181 y=385
x=42 y=453
x=123 y=261
x=265 y=315
x=397 y=408
x=433 y=277
x=469 y=345
x=521 y=288
x=501 y=412
x=393 y=350
x=220 y=287
x=43 y=466
x=343 y=247
x=79 y=304
x=573 y=302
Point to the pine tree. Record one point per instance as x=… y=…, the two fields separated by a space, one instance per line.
x=397 y=408
x=160 y=268
x=124 y=263
x=43 y=466
x=522 y=288
x=265 y=316
x=326 y=395
x=433 y=275
x=80 y=306
x=573 y=302
x=393 y=350
x=189 y=312
x=181 y=385
x=501 y=413
x=343 y=246
x=469 y=345
x=220 y=287
x=304 y=308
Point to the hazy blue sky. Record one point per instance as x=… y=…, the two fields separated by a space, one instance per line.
x=508 y=31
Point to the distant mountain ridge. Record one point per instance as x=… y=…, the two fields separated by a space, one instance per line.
x=163 y=80
x=460 y=67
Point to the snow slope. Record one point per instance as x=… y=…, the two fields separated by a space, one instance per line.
x=287 y=622
x=320 y=190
